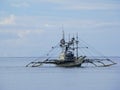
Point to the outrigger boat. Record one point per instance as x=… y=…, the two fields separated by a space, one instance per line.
x=69 y=56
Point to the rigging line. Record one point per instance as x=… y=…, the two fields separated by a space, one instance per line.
x=89 y=52
x=85 y=51
x=50 y=55
x=53 y=54
x=82 y=52
x=93 y=58
x=105 y=58
x=89 y=48
x=52 y=49
x=47 y=53
x=83 y=47
x=102 y=55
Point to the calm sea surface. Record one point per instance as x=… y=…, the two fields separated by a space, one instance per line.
x=15 y=76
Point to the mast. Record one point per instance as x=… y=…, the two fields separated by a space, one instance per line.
x=77 y=45
x=73 y=44
x=62 y=42
x=63 y=36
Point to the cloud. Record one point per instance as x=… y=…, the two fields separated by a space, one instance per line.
x=24 y=33
x=70 y=4
x=90 y=6
x=82 y=4
x=20 y=4
x=84 y=24
x=8 y=20
x=49 y=25
x=19 y=34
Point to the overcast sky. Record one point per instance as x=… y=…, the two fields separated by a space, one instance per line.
x=32 y=27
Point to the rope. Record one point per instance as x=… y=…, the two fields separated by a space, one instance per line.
x=92 y=49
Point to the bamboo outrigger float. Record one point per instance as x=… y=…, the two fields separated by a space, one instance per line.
x=69 y=56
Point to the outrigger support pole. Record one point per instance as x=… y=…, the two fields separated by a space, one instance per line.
x=36 y=64
x=94 y=61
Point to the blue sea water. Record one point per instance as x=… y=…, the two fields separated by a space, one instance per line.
x=15 y=76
